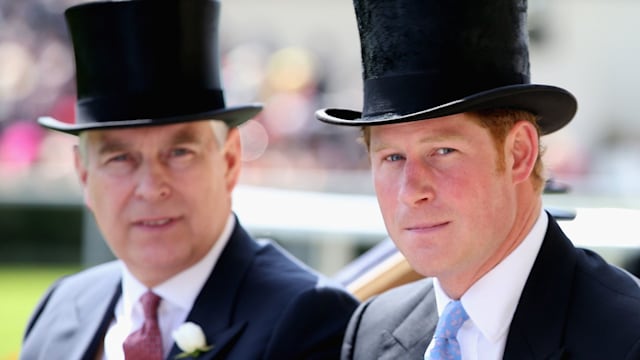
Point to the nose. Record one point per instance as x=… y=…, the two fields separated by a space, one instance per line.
x=153 y=182
x=416 y=183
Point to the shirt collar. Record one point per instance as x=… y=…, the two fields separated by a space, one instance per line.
x=182 y=289
x=491 y=307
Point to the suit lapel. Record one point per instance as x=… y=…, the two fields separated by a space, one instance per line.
x=89 y=316
x=412 y=336
x=97 y=342
x=214 y=307
x=538 y=324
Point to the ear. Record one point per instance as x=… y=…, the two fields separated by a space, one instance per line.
x=232 y=153
x=522 y=150
x=81 y=172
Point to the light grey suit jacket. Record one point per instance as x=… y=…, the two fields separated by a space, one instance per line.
x=72 y=330
x=396 y=325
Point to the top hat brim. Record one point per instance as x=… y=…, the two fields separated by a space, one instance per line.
x=232 y=116
x=554 y=106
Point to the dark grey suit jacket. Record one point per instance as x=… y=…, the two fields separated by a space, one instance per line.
x=573 y=306
x=258 y=303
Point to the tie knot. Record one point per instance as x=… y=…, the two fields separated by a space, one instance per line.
x=150 y=302
x=451 y=320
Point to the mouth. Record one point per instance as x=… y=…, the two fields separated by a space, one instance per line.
x=155 y=222
x=427 y=227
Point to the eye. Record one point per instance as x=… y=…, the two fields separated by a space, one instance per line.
x=394 y=157
x=119 y=163
x=181 y=156
x=444 y=151
x=178 y=152
x=118 y=158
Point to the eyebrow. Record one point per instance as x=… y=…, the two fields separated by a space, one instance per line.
x=110 y=144
x=435 y=138
x=186 y=135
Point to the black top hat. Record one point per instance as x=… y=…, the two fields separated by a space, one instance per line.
x=430 y=58
x=147 y=62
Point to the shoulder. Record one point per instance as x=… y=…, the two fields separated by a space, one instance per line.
x=403 y=315
x=96 y=276
x=73 y=289
x=598 y=290
x=286 y=284
x=275 y=267
x=73 y=285
x=592 y=279
x=604 y=297
x=304 y=312
x=265 y=264
x=403 y=300
x=606 y=287
x=603 y=280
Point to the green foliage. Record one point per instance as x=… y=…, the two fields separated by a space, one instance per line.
x=21 y=288
x=39 y=234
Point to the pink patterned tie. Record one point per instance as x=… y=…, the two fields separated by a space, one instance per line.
x=146 y=342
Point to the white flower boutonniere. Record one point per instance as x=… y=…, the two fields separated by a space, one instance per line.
x=190 y=339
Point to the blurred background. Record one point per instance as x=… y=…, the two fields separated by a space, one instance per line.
x=295 y=56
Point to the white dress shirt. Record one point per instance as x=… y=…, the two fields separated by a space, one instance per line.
x=492 y=300
x=178 y=295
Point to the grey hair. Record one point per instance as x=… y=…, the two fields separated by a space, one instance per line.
x=219 y=127
x=220 y=131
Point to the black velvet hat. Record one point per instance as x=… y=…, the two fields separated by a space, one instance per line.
x=147 y=62
x=430 y=58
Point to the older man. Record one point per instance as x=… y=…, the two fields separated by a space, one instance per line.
x=158 y=157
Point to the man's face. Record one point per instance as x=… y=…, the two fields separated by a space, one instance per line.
x=160 y=194
x=445 y=204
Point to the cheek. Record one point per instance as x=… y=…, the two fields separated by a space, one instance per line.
x=105 y=197
x=492 y=209
x=92 y=194
x=471 y=181
x=389 y=207
x=386 y=190
x=205 y=191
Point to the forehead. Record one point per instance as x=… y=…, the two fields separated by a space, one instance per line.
x=454 y=125
x=189 y=131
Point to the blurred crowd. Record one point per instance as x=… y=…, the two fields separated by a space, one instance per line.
x=36 y=78
x=283 y=146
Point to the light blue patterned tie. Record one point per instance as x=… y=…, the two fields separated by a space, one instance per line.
x=446 y=345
